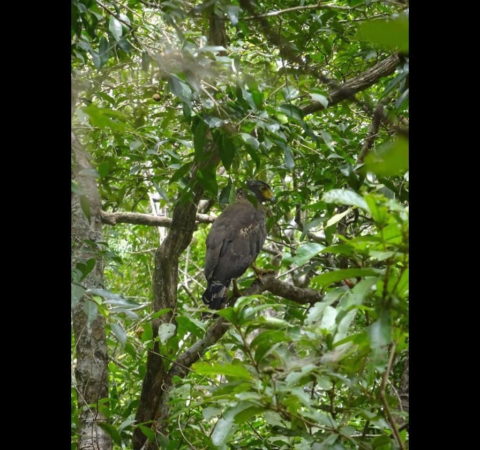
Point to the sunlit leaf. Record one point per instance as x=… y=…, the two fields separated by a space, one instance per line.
x=390 y=34
x=230 y=370
x=166 y=331
x=345 y=197
x=390 y=159
x=342 y=274
x=115 y=27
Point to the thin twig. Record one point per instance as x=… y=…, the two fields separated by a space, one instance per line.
x=384 y=399
x=297 y=8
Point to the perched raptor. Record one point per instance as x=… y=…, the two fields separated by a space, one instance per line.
x=236 y=238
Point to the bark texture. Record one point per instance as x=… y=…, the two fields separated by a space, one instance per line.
x=147 y=219
x=91 y=350
x=358 y=83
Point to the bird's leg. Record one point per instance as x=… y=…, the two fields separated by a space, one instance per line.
x=261 y=272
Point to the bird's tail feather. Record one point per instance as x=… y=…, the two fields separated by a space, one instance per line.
x=216 y=294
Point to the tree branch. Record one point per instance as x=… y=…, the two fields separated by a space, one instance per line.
x=372 y=133
x=359 y=83
x=297 y=8
x=91 y=365
x=289 y=291
x=388 y=413
x=339 y=92
x=181 y=365
x=147 y=219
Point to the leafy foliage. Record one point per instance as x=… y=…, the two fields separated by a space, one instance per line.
x=152 y=94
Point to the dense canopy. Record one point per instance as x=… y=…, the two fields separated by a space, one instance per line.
x=175 y=104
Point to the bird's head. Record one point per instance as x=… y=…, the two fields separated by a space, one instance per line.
x=262 y=190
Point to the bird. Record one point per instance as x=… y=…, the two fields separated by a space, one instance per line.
x=235 y=240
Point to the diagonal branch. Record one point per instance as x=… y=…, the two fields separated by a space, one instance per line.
x=181 y=365
x=359 y=83
x=338 y=92
x=372 y=133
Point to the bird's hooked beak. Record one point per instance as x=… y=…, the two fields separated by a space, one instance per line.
x=268 y=195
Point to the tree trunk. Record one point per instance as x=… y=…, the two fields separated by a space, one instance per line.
x=88 y=325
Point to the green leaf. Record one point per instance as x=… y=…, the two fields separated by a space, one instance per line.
x=130 y=420
x=250 y=140
x=380 y=331
x=187 y=324
x=86 y=267
x=289 y=163
x=112 y=431
x=119 y=333
x=231 y=370
x=211 y=49
x=180 y=88
x=210 y=412
x=292 y=111
x=328 y=319
x=148 y=432
x=345 y=197
x=207 y=178
x=320 y=99
x=315 y=313
x=77 y=293
x=226 y=147
x=327 y=139
x=228 y=313
x=342 y=274
x=222 y=431
x=305 y=253
x=181 y=172
x=295 y=377
x=105 y=118
x=378 y=211
x=382 y=443
x=337 y=217
x=356 y=295
x=265 y=341
x=390 y=159
x=248 y=413
x=115 y=28
x=344 y=325
x=199 y=137
x=388 y=34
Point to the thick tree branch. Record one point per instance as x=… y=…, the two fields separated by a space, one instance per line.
x=338 y=92
x=147 y=219
x=287 y=50
x=289 y=291
x=359 y=83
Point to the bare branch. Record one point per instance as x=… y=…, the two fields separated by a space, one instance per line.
x=147 y=219
x=297 y=8
x=388 y=413
x=372 y=133
x=289 y=291
x=339 y=92
x=359 y=83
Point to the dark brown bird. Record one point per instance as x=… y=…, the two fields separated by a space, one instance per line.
x=236 y=238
